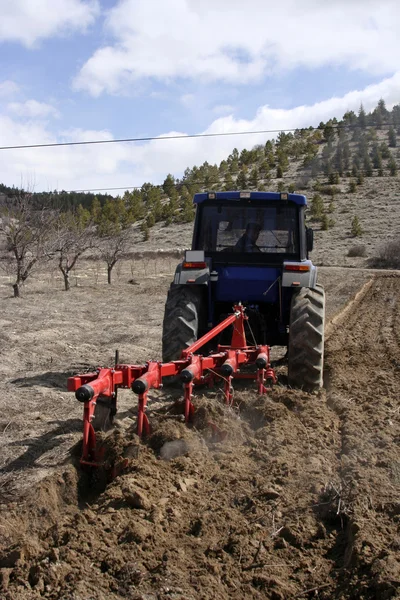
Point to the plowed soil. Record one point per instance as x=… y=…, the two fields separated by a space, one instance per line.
x=300 y=499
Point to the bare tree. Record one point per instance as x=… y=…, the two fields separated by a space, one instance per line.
x=73 y=235
x=112 y=248
x=25 y=229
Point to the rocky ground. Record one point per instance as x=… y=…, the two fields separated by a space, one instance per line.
x=300 y=499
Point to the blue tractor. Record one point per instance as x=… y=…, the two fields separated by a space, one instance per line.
x=252 y=248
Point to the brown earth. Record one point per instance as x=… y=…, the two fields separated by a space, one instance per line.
x=300 y=500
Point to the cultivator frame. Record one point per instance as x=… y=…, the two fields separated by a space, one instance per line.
x=193 y=369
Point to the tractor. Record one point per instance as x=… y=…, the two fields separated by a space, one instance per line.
x=252 y=248
x=246 y=285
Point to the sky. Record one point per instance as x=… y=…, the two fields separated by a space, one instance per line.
x=73 y=70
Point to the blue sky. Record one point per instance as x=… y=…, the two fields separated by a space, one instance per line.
x=101 y=69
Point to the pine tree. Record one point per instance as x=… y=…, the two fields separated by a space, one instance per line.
x=229 y=184
x=187 y=214
x=392 y=166
x=362 y=117
x=325 y=222
x=253 y=179
x=241 y=181
x=169 y=184
x=317 y=207
x=279 y=172
x=368 y=166
x=145 y=230
x=392 y=138
x=384 y=148
x=376 y=157
x=356 y=229
x=264 y=169
x=150 y=220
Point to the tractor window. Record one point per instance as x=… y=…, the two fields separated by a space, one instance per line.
x=271 y=228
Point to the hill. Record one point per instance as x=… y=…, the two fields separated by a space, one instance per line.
x=346 y=168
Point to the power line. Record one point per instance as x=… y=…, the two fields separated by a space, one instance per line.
x=203 y=183
x=184 y=137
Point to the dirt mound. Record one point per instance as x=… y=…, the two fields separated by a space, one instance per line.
x=289 y=495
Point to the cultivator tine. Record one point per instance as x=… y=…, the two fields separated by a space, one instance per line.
x=143 y=425
x=188 y=395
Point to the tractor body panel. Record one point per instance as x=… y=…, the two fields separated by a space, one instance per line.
x=250 y=247
x=247 y=284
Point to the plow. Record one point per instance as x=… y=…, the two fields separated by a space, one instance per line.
x=98 y=390
x=248 y=245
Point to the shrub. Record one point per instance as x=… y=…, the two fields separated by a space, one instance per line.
x=326 y=222
x=317 y=207
x=356 y=229
x=389 y=255
x=359 y=250
x=352 y=187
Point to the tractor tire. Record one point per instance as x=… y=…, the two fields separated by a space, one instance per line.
x=181 y=320
x=306 y=339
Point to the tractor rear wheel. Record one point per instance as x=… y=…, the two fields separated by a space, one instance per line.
x=306 y=339
x=182 y=318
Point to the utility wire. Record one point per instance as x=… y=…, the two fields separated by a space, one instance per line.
x=185 y=137
x=202 y=183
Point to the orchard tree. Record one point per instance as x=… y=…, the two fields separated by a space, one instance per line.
x=73 y=235
x=113 y=231
x=26 y=232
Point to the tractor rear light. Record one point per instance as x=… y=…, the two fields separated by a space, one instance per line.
x=194 y=265
x=244 y=195
x=302 y=268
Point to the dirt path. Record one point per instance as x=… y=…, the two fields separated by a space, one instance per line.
x=301 y=500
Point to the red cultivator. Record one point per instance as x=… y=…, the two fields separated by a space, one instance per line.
x=102 y=385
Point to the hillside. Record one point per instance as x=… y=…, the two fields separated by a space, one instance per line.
x=348 y=170
x=350 y=167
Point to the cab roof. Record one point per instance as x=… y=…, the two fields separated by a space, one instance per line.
x=267 y=196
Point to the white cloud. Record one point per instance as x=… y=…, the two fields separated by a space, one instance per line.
x=8 y=88
x=27 y=21
x=115 y=165
x=33 y=109
x=238 y=42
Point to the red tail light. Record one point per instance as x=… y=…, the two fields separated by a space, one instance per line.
x=297 y=267
x=194 y=265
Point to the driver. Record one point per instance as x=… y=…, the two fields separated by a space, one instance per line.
x=247 y=242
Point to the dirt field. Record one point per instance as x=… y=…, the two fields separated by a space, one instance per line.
x=301 y=500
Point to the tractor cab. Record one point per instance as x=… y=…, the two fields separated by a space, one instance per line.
x=257 y=228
